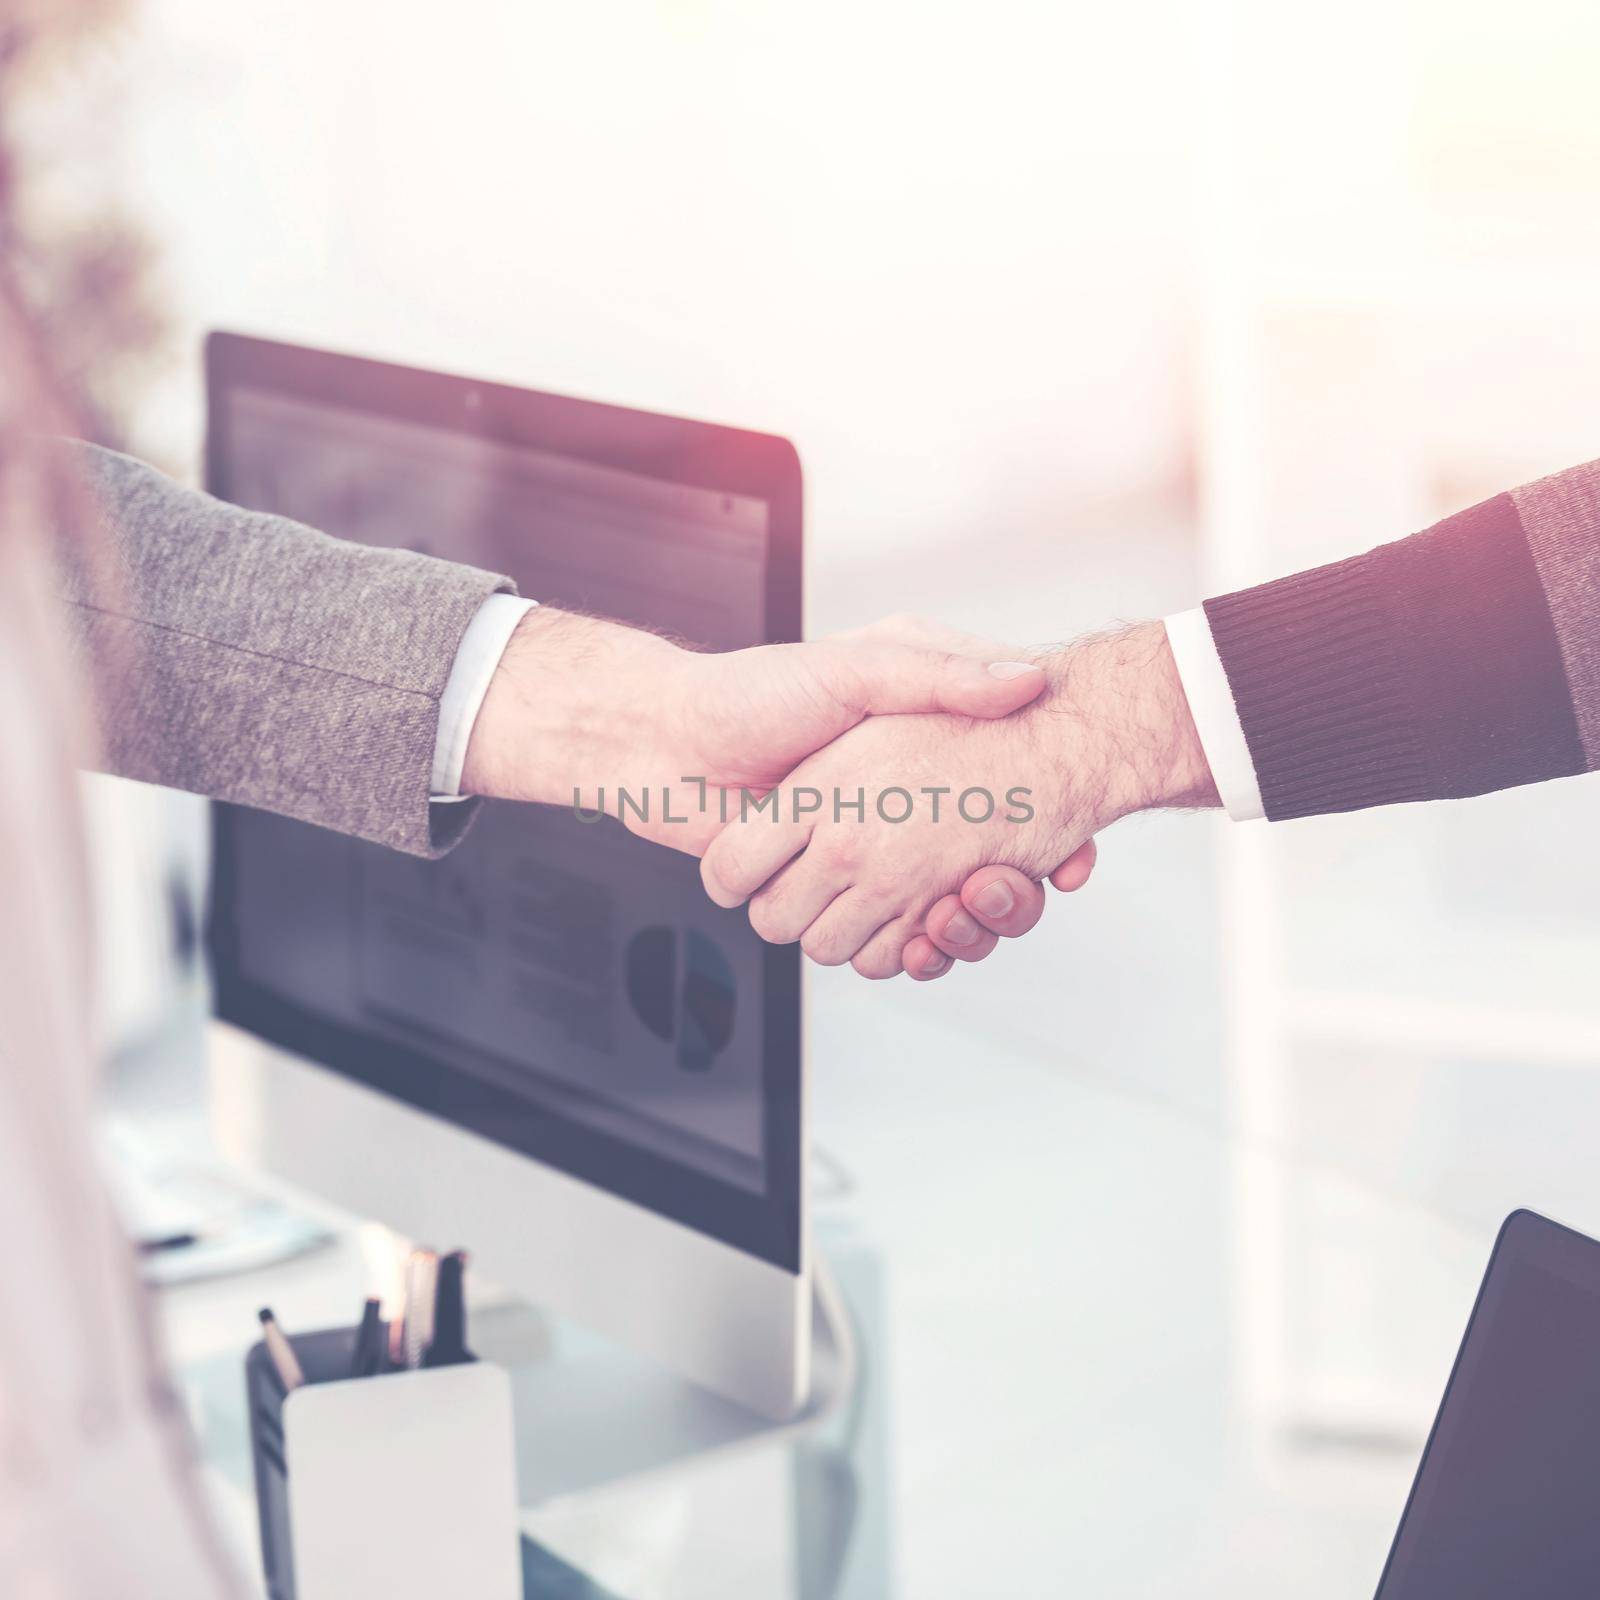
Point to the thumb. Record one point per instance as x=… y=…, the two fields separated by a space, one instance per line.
x=877 y=679
x=1074 y=872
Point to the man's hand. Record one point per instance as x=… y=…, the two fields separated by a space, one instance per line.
x=1111 y=736
x=591 y=713
x=995 y=903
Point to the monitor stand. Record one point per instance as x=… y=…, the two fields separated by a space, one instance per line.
x=590 y=1412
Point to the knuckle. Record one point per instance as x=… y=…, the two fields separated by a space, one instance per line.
x=770 y=919
x=878 y=963
x=900 y=628
x=822 y=947
x=840 y=849
x=734 y=863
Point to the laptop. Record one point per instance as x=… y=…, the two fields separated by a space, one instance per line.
x=1506 y=1501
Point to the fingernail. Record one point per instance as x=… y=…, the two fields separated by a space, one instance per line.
x=1011 y=669
x=961 y=929
x=934 y=965
x=994 y=901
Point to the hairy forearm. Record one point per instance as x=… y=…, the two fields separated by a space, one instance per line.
x=1115 y=723
x=576 y=705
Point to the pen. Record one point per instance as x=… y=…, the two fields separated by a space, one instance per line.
x=280 y=1350
x=171 y=1241
x=397 y=1337
x=449 y=1345
x=422 y=1276
x=369 y=1343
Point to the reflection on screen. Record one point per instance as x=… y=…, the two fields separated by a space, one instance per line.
x=568 y=962
x=1505 y=1507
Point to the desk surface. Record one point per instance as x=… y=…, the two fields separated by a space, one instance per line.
x=1112 y=1349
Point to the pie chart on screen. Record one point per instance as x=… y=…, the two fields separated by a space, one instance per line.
x=681 y=989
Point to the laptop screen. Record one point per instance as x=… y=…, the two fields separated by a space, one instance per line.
x=1505 y=1500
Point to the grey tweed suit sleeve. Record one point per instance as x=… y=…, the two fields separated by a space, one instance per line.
x=252 y=659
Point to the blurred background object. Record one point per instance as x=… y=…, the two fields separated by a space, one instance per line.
x=1076 y=313
x=86 y=266
x=89 y=270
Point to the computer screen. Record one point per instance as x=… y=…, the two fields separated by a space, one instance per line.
x=555 y=984
x=1504 y=1501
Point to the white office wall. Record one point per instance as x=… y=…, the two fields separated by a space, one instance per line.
x=937 y=244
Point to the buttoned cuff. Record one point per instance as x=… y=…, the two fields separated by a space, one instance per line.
x=478 y=654
x=1216 y=718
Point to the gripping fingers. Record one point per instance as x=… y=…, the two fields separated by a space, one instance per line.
x=953 y=930
x=747 y=853
x=883 y=954
x=841 y=930
x=791 y=901
x=923 y=960
x=994 y=903
x=1000 y=899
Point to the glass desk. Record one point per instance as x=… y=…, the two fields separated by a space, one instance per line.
x=1081 y=1372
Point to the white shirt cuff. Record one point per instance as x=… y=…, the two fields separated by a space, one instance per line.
x=1216 y=718
x=478 y=654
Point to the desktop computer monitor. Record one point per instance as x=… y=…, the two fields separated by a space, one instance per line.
x=549 y=1047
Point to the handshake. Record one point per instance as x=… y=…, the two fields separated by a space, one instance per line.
x=892 y=797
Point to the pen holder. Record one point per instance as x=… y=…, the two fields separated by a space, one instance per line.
x=401 y=1486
